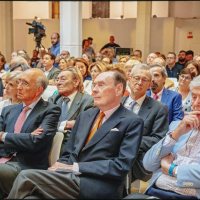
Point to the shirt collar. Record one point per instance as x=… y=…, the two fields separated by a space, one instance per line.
x=139 y=101
x=57 y=45
x=33 y=104
x=159 y=94
x=108 y=113
x=71 y=96
x=48 y=69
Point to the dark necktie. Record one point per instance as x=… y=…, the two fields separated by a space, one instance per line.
x=65 y=109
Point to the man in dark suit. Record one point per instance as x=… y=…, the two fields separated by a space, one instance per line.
x=172 y=99
x=103 y=154
x=154 y=114
x=50 y=71
x=27 y=129
x=70 y=98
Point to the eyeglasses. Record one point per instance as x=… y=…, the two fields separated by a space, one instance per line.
x=62 y=80
x=24 y=83
x=185 y=77
x=137 y=79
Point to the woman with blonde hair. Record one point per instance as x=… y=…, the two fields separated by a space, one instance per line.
x=123 y=59
x=95 y=69
x=11 y=84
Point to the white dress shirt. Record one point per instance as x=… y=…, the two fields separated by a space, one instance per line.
x=136 y=108
x=107 y=113
x=47 y=72
x=63 y=123
x=31 y=106
x=159 y=94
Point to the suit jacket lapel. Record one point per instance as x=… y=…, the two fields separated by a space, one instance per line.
x=165 y=96
x=111 y=122
x=124 y=99
x=50 y=72
x=75 y=105
x=34 y=114
x=145 y=108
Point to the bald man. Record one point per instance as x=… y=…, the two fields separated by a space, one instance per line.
x=151 y=58
x=55 y=48
x=27 y=130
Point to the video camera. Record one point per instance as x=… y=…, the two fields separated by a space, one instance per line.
x=38 y=30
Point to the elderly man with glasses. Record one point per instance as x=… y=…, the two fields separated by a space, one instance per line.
x=70 y=98
x=154 y=114
x=27 y=130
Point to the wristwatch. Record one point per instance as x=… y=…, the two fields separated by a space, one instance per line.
x=170 y=135
x=171 y=169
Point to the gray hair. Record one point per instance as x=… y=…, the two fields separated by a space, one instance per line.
x=195 y=83
x=15 y=75
x=141 y=66
x=163 y=69
x=42 y=81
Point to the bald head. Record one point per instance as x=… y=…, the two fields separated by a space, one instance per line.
x=18 y=59
x=55 y=38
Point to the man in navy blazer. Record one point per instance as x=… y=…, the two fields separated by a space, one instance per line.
x=33 y=143
x=172 y=99
x=103 y=162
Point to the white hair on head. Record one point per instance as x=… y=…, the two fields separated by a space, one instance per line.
x=195 y=83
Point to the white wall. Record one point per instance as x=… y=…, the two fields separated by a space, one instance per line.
x=30 y=9
x=86 y=9
x=101 y=30
x=160 y=8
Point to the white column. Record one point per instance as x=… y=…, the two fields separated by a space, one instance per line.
x=71 y=27
x=143 y=26
x=6 y=31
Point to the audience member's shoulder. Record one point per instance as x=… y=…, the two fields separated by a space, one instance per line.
x=157 y=104
x=56 y=69
x=87 y=96
x=173 y=93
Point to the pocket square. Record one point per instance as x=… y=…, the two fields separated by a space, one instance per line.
x=114 y=129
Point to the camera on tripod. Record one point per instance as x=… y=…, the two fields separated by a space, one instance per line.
x=38 y=30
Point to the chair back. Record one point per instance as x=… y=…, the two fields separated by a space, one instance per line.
x=56 y=147
x=49 y=92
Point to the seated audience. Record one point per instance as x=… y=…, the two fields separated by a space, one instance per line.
x=193 y=66
x=11 y=84
x=158 y=92
x=185 y=79
x=3 y=66
x=111 y=55
x=83 y=67
x=189 y=55
x=135 y=58
x=182 y=58
x=63 y=63
x=154 y=114
x=174 y=160
x=70 y=98
x=123 y=60
x=88 y=58
x=87 y=48
x=173 y=69
x=93 y=149
x=98 y=56
x=119 y=68
x=94 y=69
x=19 y=67
x=168 y=82
x=137 y=53
x=106 y=60
x=197 y=60
x=35 y=58
x=38 y=64
x=128 y=67
x=16 y=60
x=50 y=71
x=64 y=54
x=70 y=61
x=27 y=129
x=20 y=51
x=151 y=58
x=14 y=54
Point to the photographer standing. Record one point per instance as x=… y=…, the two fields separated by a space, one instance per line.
x=55 y=48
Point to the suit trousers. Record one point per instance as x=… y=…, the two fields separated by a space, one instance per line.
x=8 y=174
x=48 y=184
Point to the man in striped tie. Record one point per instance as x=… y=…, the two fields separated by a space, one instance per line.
x=101 y=149
x=27 y=130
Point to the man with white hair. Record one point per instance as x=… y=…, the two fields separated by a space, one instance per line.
x=175 y=159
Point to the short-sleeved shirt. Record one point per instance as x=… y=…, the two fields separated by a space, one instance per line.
x=90 y=50
x=174 y=72
x=55 y=50
x=110 y=45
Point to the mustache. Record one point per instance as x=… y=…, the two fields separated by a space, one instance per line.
x=154 y=86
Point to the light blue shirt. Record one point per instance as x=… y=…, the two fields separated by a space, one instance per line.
x=55 y=49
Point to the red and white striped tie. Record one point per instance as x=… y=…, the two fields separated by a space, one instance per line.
x=21 y=119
